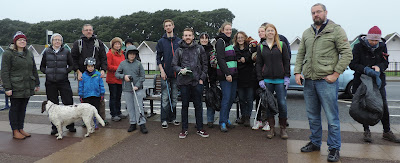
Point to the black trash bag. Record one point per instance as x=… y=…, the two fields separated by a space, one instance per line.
x=367 y=105
x=268 y=101
x=214 y=97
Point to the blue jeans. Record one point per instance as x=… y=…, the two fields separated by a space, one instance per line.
x=246 y=100
x=280 y=91
x=319 y=93
x=115 y=99
x=166 y=113
x=195 y=93
x=228 y=95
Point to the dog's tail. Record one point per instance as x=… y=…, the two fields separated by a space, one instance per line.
x=98 y=117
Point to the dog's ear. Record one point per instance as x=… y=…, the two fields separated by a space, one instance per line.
x=44 y=103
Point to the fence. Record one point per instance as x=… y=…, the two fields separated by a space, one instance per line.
x=393 y=69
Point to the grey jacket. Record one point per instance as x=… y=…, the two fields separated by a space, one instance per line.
x=135 y=69
x=191 y=56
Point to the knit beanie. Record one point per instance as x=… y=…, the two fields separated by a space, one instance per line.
x=128 y=40
x=114 y=40
x=54 y=35
x=19 y=35
x=374 y=33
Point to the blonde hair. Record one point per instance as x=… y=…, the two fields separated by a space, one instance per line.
x=235 y=38
x=276 y=37
x=221 y=29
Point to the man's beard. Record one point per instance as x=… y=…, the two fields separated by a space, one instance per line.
x=319 y=21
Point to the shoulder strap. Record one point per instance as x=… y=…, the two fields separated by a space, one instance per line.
x=261 y=47
x=223 y=41
x=80 y=45
x=96 y=44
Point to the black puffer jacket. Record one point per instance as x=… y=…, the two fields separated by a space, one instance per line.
x=192 y=57
x=365 y=56
x=271 y=63
x=56 y=66
x=87 y=51
x=246 y=76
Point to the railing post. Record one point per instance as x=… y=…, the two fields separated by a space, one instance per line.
x=148 y=67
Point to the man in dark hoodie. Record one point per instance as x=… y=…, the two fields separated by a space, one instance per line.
x=166 y=47
x=89 y=46
x=370 y=57
x=191 y=63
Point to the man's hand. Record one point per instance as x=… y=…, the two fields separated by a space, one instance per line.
x=201 y=82
x=332 y=78
x=229 y=78
x=135 y=88
x=298 y=78
x=79 y=75
x=242 y=60
x=37 y=89
x=126 y=78
x=377 y=69
x=102 y=73
x=9 y=93
x=163 y=75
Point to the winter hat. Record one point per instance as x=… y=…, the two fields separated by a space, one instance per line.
x=114 y=40
x=54 y=35
x=129 y=40
x=19 y=35
x=374 y=33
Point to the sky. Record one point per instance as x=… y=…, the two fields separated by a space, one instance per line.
x=291 y=17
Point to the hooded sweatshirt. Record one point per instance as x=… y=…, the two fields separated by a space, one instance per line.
x=133 y=68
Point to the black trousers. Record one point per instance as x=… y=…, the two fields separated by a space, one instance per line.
x=385 y=118
x=17 y=112
x=63 y=89
x=95 y=101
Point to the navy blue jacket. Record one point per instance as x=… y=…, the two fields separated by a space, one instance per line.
x=166 y=47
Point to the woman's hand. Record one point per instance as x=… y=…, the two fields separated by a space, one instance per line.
x=229 y=78
x=9 y=93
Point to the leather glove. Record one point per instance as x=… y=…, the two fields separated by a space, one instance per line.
x=262 y=84
x=286 y=82
x=184 y=71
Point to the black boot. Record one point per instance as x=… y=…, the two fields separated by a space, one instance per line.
x=132 y=128
x=246 y=121
x=143 y=129
x=71 y=127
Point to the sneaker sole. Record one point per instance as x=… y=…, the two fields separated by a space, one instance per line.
x=182 y=137
x=204 y=136
x=164 y=127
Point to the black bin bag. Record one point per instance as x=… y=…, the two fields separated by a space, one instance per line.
x=214 y=97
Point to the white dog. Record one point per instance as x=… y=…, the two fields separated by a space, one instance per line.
x=61 y=115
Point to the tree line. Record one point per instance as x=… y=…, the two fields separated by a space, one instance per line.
x=139 y=26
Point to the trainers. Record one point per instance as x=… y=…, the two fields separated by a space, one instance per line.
x=266 y=127
x=115 y=118
x=230 y=125
x=143 y=129
x=176 y=123
x=389 y=136
x=257 y=126
x=203 y=134
x=223 y=127
x=183 y=134
x=333 y=155
x=164 y=125
x=106 y=123
x=53 y=131
x=122 y=116
x=132 y=127
x=310 y=147
x=210 y=125
x=367 y=136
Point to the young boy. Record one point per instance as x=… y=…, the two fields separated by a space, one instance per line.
x=91 y=87
x=132 y=73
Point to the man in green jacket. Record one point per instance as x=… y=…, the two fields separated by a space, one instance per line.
x=318 y=59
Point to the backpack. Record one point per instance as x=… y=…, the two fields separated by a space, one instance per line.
x=261 y=46
x=96 y=45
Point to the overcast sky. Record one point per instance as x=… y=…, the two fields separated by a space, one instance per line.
x=291 y=17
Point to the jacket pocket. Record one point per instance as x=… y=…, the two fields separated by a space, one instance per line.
x=17 y=83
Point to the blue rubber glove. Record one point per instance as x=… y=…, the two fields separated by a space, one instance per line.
x=286 y=82
x=374 y=74
x=262 y=84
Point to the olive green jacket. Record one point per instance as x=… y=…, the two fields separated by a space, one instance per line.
x=19 y=73
x=318 y=55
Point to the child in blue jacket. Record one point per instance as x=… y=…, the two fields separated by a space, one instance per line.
x=91 y=87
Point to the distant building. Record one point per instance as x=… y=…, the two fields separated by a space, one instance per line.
x=393 y=46
x=295 y=44
x=148 y=53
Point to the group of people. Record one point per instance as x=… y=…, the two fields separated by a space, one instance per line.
x=243 y=67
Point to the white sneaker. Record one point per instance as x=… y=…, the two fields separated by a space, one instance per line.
x=266 y=127
x=257 y=126
x=164 y=125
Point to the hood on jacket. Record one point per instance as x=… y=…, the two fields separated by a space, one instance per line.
x=166 y=37
x=224 y=37
x=131 y=48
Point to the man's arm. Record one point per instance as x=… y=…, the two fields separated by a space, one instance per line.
x=344 y=49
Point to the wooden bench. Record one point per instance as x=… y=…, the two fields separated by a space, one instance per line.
x=154 y=93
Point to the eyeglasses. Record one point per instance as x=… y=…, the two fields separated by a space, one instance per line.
x=240 y=38
x=316 y=12
x=55 y=40
x=88 y=30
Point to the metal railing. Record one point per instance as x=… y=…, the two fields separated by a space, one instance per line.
x=393 y=69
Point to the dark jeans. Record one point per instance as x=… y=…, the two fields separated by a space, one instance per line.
x=95 y=101
x=195 y=93
x=246 y=100
x=280 y=91
x=17 y=112
x=166 y=113
x=385 y=117
x=63 y=89
x=115 y=99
